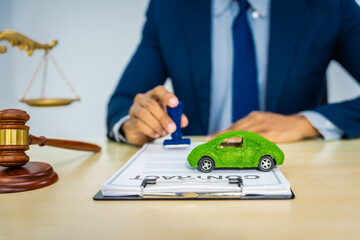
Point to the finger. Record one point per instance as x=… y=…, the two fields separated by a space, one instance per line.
x=163 y=123
x=145 y=129
x=231 y=128
x=132 y=134
x=253 y=128
x=144 y=115
x=241 y=124
x=136 y=104
x=164 y=96
x=256 y=128
x=271 y=136
x=184 y=121
x=249 y=120
x=131 y=110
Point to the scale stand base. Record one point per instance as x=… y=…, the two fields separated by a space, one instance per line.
x=33 y=175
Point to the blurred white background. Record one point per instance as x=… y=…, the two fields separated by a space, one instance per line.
x=96 y=40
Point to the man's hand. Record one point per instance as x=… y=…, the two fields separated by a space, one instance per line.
x=149 y=118
x=275 y=127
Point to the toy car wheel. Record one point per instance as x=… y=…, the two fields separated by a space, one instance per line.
x=266 y=163
x=206 y=164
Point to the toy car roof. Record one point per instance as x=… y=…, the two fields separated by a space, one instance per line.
x=241 y=134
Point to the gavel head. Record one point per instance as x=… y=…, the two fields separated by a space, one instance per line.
x=14 y=138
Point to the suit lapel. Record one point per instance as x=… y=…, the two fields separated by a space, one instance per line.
x=286 y=18
x=197 y=24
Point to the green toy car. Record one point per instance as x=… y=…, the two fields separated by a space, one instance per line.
x=237 y=149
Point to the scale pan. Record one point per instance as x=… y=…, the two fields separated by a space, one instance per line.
x=49 y=102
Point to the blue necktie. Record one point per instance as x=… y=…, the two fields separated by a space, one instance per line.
x=245 y=92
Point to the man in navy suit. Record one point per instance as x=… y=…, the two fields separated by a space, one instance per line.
x=200 y=45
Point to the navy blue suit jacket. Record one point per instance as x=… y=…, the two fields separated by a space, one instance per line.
x=305 y=35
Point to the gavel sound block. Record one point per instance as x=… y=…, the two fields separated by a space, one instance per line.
x=16 y=172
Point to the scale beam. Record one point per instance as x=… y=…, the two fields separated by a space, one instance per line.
x=23 y=43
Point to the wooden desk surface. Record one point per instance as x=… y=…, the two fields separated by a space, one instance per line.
x=325 y=177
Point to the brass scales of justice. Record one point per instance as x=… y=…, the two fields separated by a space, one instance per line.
x=17 y=174
x=29 y=45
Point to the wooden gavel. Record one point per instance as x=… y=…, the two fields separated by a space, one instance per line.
x=15 y=139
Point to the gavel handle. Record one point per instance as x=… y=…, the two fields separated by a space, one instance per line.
x=74 y=145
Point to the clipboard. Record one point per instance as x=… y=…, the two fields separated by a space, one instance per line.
x=192 y=195
x=149 y=175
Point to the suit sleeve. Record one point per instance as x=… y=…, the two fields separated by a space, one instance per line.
x=346 y=115
x=145 y=71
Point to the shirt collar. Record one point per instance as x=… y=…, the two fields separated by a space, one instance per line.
x=261 y=6
x=220 y=6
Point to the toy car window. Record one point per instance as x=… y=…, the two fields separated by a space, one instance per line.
x=231 y=142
